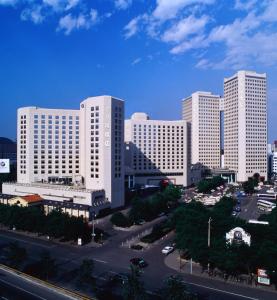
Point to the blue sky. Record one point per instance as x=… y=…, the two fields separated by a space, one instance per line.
x=151 y=53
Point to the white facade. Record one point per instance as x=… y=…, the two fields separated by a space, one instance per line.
x=274 y=163
x=202 y=112
x=245 y=124
x=102 y=146
x=47 y=144
x=156 y=149
x=81 y=148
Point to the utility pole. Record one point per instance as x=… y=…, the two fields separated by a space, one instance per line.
x=93 y=217
x=209 y=232
x=209 y=239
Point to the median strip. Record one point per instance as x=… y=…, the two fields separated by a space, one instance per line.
x=34 y=280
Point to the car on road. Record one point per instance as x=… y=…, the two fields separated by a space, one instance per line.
x=237 y=209
x=121 y=278
x=234 y=213
x=167 y=250
x=138 y=262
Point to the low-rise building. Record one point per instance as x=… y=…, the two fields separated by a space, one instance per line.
x=26 y=201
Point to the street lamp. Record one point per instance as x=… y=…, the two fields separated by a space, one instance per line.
x=101 y=237
x=93 y=215
x=209 y=238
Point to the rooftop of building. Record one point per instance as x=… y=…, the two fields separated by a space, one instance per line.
x=202 y=93
x=31 y=198
x=141 y=116
x=246 y=73
x=55 y=187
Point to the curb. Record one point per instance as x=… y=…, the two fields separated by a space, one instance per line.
x=60 y=290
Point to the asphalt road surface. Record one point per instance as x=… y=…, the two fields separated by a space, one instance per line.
x=112 y=257
x=13 y=287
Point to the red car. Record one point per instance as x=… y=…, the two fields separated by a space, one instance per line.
x=138 y=262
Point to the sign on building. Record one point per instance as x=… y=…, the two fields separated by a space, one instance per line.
x=4 y=166
x=237 y=236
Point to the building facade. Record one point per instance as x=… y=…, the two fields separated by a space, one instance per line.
x=274 y=164
x=102 y=147
x=48 y=145
x=72 y=155
x=245 y=124
x=156 y=150
x=201 y=111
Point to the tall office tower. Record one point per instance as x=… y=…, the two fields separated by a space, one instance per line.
x=102 y=146
x=202 y=112
x=245 y=124
x=156 y=149
x=48 y=145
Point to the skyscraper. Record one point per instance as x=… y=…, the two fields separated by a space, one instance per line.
x=102 y=146
x=201 y=110
x=245 y=124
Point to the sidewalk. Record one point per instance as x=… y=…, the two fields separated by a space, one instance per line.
x=185 y=267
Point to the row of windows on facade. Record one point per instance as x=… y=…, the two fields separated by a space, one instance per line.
x=49 y=162
x=56 y=132
x=56 y=123
x=56 y=117
x=50 y=142
x=63 y=127
x=153 y=166
x=49 y=167
x=54 y=172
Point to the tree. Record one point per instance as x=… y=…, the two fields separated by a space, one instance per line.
x=175 y=289
x=16 y=255
x=251 y=183
x=133 y=289
x=120 y=220
x=206 y=185
x=84 y=272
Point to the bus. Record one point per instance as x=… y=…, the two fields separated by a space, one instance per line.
x=269 y=196
x=265 y=205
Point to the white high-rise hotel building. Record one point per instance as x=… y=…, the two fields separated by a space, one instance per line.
x=70 y=155
x=156 y=149
x=245 y=124
x=202 y=112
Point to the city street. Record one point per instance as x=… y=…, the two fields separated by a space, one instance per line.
x=15 y=287
x=112 y=257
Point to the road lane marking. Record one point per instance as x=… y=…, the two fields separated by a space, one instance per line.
x=26 y=242
x=101 y=261
x=221 y=291
x=19 y=288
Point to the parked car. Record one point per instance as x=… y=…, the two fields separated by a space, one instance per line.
x=167 y=250
x=140 y=222
x=138 y=262
x=234 y=213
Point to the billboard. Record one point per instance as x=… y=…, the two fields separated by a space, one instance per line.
x=237 y=236
x=263 y=277
x=4 y=166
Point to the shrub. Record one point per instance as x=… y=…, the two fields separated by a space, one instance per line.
x=120 y=220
